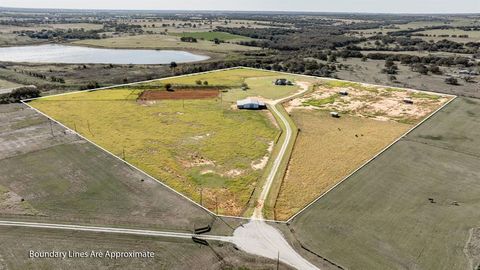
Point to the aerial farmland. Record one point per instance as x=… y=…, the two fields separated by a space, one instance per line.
x=187 y=133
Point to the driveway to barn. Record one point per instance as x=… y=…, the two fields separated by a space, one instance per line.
x=257 y=237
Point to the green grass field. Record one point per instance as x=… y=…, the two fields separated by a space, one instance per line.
x=194 y=146
x=411 y=208
x=212 y=35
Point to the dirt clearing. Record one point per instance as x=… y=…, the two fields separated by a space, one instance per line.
x=187 y=93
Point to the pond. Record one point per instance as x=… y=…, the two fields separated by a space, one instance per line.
x=55 y=53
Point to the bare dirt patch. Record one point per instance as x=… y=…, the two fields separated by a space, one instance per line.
x=379 y=103
x=184 y=93
x=472 y=248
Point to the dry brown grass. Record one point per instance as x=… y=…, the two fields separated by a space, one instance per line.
x=327 y=150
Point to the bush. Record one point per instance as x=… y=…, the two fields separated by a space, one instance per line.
x=451 y=81
x=20 y=93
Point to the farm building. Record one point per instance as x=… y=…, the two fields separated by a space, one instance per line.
x=251 y=104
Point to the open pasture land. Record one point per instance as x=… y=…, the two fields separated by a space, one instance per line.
x=412 y=207
x=210 y=36
x=16 y=243
x=328 y=149
x=162 y=42
x=50 y=175
x=260 y=83
x=202 y=148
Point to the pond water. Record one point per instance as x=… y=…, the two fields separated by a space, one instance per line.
x=55 y=53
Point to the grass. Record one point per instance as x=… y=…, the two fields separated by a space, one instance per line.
x=320 y=102
x=381 y=217
x=327 y=150
x=162 y=42
x=344 y=84
x=212 y=35
x=4 y=84
x=260 y=83
x=170 y=253
x=66 y=180
x=424 y=95
x=232 y=78
x=174 y=141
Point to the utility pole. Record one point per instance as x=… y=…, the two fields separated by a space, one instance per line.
x=278 y=259
x=51 y=128
x=123 y=153
x=201 y=196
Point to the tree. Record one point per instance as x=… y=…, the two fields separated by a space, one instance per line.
x=173 y=66
x=205 y=83
x=168 y=87
x=451 y=81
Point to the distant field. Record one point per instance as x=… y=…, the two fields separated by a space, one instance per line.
x=328 y=149
x=212 y=35
x=5 y=85
x=371 y=72
x=412 y=207
x=201 y=148
x=162 y=42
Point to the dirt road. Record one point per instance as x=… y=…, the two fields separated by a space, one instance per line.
x=257 y=237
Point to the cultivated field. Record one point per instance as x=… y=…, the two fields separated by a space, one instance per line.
x=64 y=179
x=412 y=207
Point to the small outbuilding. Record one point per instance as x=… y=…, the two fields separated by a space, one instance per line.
x=343 y=93
x=251 y=104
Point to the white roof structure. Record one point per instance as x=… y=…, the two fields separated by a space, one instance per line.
x=250 y=101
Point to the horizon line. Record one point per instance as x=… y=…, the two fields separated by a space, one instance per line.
x=242 y=11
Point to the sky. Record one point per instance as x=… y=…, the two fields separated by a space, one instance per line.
x=370 y=6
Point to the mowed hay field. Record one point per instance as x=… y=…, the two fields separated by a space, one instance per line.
x=412 y=207
x=201 y=148
x=327 y=149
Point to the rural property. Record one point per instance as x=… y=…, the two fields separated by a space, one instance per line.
x=188 y=133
